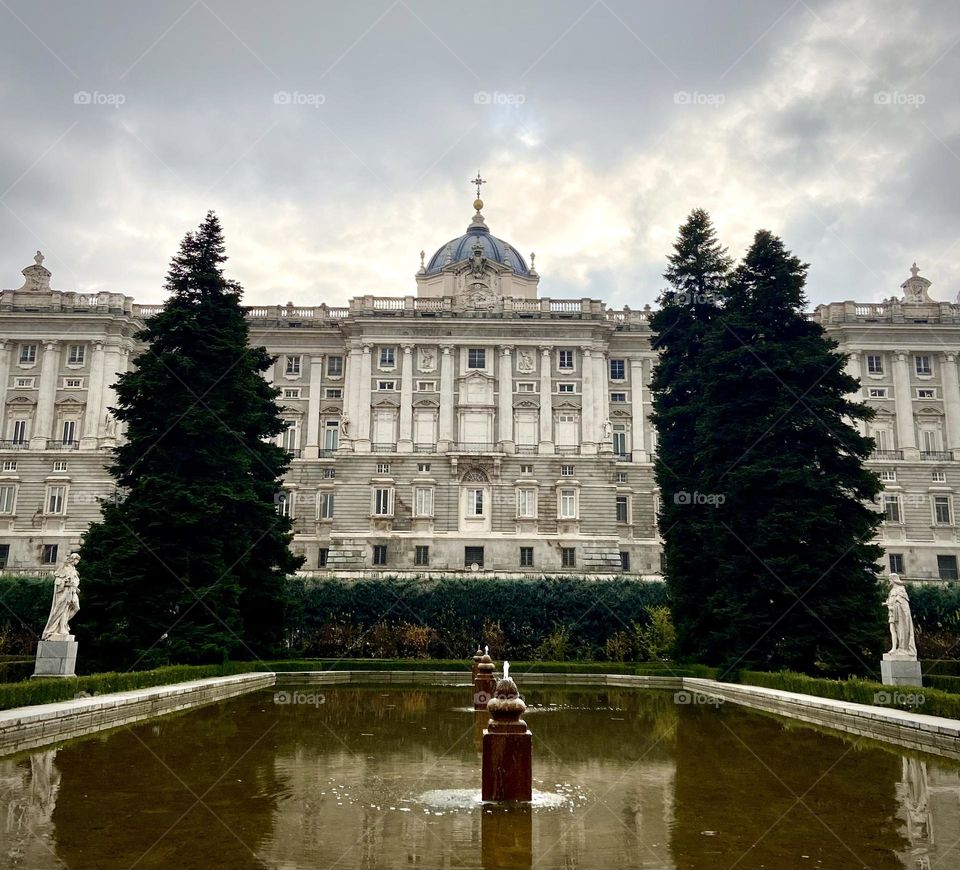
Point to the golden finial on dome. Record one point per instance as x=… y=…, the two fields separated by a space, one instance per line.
x=478 y=203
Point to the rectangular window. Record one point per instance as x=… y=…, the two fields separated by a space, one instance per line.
x=618 y=398
x=59 y=465
x=69 y=431
x=566 y=470
x=891 y=508
x=472 y=556
x=624 y=560
x=73 y=383
x=55 y=499
x=938 y=477
x=526 y=503
x=293 y=366
x=622 y=477
x=322 y=555
x=291 y=437
x=526 y=557
x=382 y=502
x=9 y=464
x=877 y=392
x=291 y=393
x=28 y=354
x=283 y=504
x=423 y=466
x=526 y=469
x=926 y=393
x=76 y=354
x=423 y=501
x=526 y=387
x=4 y=555
x=19 y=431
x=329 y=473
x=8 y=497
x=383 y=468
x=931 y=440
x=622 y=513
x=388 y=357
x=331 y=435
x=922 y=363
x=896 y=562
x=568 y=557
x=325 y=506
x=947 y=567
x=618 y=369
x=335 y=393
x=24 y=383
x=426 y=386
x=566 y=388
x=874 y=364
x=386 y=385
x=334 y=366
x=48 y=554
x=476 y=358
x=888 y=475
x=568 y=504
x=620 y=441
x=942 y=515
x=421 y=555
x=379 y=554
x=565 y=359
x=475 y=502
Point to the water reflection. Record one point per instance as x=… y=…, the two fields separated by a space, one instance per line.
x=335 y=782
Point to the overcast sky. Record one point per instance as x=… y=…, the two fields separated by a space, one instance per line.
x=337 y=140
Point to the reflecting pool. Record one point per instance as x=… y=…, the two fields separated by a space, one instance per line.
x=373 y=777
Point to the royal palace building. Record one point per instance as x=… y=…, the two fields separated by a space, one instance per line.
x=471 y=425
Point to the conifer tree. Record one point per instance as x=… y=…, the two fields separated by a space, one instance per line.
x=793 y=578
x=697 y=275
x=188 y=562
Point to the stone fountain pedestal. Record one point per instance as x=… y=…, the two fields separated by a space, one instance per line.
x=484 y=684
x=507 y=746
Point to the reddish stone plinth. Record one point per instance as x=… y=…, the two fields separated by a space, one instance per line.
x=484 y=684
x=507 y=746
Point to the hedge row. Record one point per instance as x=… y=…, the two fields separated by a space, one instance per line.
x=65 y=689
x=935 y=701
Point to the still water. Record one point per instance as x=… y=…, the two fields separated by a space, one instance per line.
x=388 y=777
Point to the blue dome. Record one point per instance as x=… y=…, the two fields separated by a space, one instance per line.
x=461 y=248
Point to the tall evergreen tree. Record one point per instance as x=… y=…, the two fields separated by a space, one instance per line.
x=697 y=275
x=188 y=562
x=793 y=577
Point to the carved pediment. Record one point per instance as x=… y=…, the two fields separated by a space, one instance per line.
x=617 y=413
x=566 y=405
x=524 y=404
x=386 y=402
x=883 y=414
x=426 y=403
x=929 y=412
x=331 y=409
x=21 y=400
x=476 y=375
x=68 y=401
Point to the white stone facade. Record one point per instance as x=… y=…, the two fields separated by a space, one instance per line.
x=472 y=426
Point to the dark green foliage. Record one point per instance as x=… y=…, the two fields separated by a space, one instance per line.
x=518 y=619
x=697 y=274
x=936 y=702
x=188 y=563
x=936 y=618
x=24 y=608
x=942 y=682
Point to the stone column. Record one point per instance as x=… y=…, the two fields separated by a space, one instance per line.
x=5 y=350
x=312 y=449
x=505 y=409
x=113 y=366
x=588 y=416
x=351 y=393
x=361 y=438
x=601 y=397
x=951 y=401
x=446 y=399
x=405 y=444
x=546 y=400
x=852 y=368
x=638 y=442
x=93 y=411
x=46 y=395
x=903 y=403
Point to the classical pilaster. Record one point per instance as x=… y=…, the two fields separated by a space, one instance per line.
x=351 y=394
x=312 y=449
x=361 y=439
x=601 y=398
x=405 y=444
x=446 y=399
x=5 y=351
x=505 y=409
x=852 y=368
x=93 y=411
x=46 y=395
x=903 y=403
x=588 y=416
x=951 y=401
x=638 y=442
x=114 y=364
x=546 y=400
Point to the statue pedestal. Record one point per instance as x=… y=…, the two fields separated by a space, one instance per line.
x=56 y=658
x=895 y=671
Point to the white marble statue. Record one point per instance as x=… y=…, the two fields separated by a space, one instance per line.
x=607 y=431
x=344 y=426
x=66 y=600
x=524 y=360
x=901 y=622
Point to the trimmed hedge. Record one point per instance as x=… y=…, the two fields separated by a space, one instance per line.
x=65 y=689
x=945 y=683
x=936 y=702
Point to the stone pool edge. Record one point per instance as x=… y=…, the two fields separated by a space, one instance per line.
x=26 y=728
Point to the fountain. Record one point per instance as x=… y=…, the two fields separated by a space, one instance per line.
x=507 y=746
x=484 y=683
x=476 y=661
